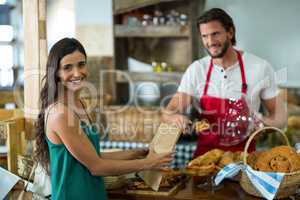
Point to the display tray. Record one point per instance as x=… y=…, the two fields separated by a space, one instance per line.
x=137 y=186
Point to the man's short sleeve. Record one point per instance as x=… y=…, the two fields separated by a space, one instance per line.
x=188 y=82
x=270 y=88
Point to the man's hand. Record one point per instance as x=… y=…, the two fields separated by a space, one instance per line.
x=173 y=113
x=180 y=121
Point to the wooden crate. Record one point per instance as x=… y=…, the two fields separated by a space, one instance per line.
x=13 y=131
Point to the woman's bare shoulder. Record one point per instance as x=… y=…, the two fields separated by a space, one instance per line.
x=58 y=113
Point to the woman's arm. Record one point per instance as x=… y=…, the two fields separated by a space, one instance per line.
x=81 y=148
x=126 y=154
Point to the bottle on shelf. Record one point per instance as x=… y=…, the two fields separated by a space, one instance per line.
x=164 y=66
x=156 y=67
x=169 y=68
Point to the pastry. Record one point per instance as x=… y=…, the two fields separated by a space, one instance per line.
x=227 y=158
x=202 y=125
x=278 y=159
x=210 y=157
x=238 y=156
x=205 y=164
x=252 y=159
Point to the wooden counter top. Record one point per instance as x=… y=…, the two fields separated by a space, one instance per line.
x=227 y=190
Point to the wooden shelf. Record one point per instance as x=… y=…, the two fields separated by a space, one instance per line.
x=123 y=6
x=161 y=77
x=151 y=31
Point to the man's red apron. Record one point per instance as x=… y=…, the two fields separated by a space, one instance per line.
x=226 y=132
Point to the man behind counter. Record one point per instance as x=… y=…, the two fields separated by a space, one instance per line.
x=211 y=84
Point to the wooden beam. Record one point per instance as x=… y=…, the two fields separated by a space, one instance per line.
x=122 y=6
x=35 y=48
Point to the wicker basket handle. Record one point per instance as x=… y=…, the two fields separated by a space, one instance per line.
x=260 y=131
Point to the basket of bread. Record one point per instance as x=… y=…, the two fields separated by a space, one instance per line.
x=282 y=160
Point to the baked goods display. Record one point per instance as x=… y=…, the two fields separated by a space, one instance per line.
x=212 y=161
x=278 y=159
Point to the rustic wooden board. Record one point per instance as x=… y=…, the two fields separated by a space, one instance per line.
x=161 y=191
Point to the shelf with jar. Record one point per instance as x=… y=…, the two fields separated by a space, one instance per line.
x=152 y=31
x=163 y=31
x=161 y=77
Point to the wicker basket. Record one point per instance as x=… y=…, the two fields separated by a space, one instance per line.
x=25 y=165
x=290 y=182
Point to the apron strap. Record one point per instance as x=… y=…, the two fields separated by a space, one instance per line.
x=208 y=77
x=241 y=64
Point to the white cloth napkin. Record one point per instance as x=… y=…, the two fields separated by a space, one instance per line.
x=267 y=183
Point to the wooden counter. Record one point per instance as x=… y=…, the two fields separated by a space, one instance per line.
x=227 y=190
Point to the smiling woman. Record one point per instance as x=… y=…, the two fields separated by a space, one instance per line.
x=67 y=145
x=73 y=70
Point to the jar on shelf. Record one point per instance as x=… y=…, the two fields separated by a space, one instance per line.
x=147 y=20
x=170 y=68
x=158 y=18
x=183 y=19
x=156 y=67
x=164 y=66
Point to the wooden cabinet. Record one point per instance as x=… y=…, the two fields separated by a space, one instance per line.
x=177 y=44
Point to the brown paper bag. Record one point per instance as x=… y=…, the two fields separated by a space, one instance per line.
x=164 y=141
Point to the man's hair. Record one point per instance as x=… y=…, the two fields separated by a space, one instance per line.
x=217 y=14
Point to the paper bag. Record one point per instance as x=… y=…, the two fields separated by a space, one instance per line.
x=7 y=182
x=164 y=141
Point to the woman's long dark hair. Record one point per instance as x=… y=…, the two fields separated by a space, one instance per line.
x=49 y=93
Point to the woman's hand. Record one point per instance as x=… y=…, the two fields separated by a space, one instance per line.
x=158 y=161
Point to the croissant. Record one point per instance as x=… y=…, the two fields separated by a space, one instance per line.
x=210 y=157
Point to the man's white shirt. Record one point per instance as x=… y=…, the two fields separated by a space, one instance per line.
x=260 y=79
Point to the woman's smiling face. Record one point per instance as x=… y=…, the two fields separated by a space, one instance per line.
x=73 y=71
